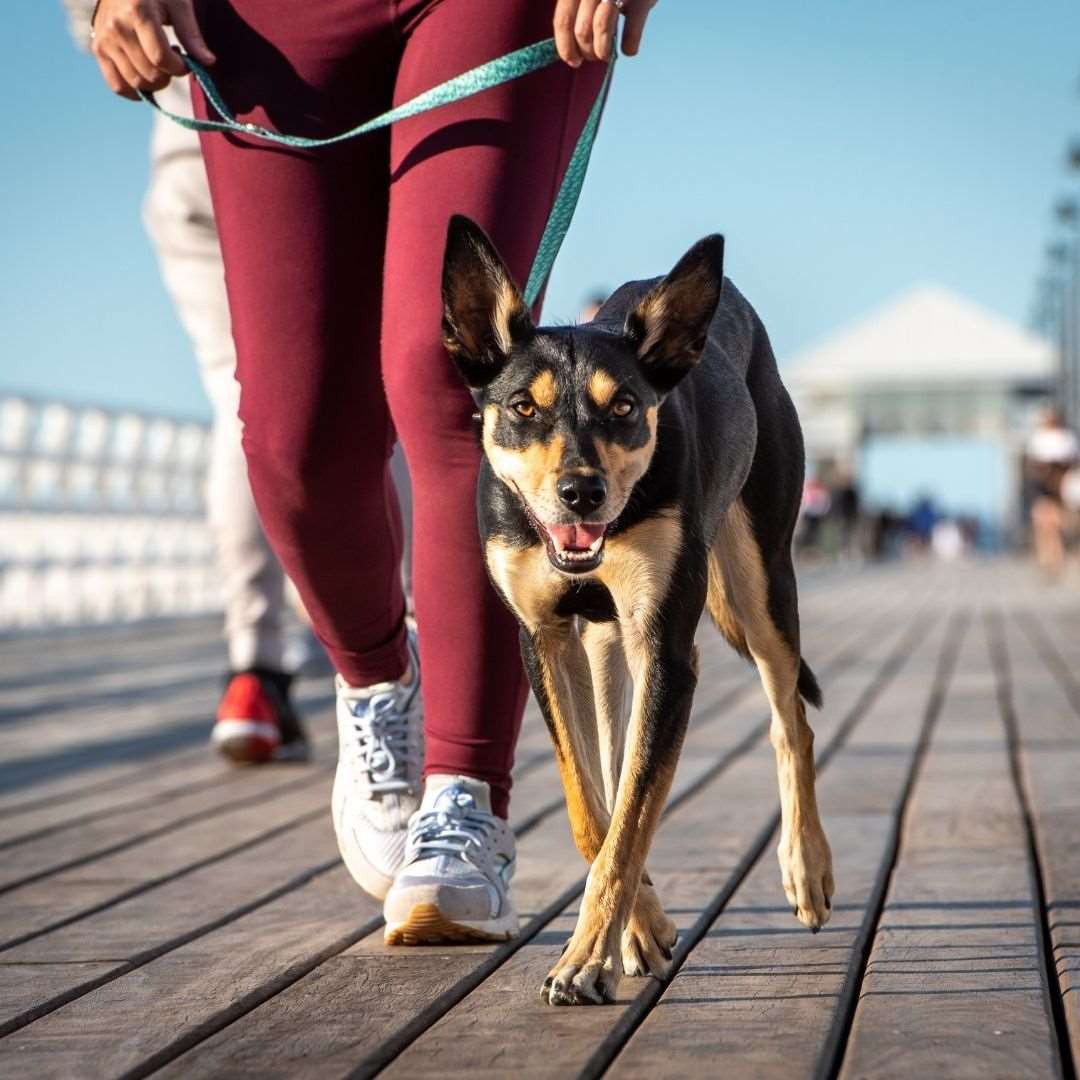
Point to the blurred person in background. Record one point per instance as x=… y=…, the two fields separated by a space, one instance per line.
x=921 y=520
x=592 y=306
x=1052 y=452
x=847 y=507
x=814 y=509
x=256 y=721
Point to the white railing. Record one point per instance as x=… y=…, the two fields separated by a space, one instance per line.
x=101 y=515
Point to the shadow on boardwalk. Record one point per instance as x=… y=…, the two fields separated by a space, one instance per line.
x=162 y=914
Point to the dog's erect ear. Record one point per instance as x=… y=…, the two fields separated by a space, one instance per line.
x=670 y=324
x=483 y=312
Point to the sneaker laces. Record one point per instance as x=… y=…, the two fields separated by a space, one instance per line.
x=383 y=744
x=453 y=827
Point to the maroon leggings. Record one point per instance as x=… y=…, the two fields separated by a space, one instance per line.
x=333 y=260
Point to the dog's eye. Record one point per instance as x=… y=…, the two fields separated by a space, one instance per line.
x=622 y=408
x=524 y=408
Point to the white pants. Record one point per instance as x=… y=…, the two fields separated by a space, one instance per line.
x=180 y=221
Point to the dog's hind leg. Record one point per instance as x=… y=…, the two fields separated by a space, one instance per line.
x=752 y=592
x=649 y=935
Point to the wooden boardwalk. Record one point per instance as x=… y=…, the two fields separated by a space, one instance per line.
x=161 y=914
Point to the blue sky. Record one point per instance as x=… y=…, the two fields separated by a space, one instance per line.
x=847 y=151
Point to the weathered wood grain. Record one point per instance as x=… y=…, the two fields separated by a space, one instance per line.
x=1046 y=700
x=37 y=908
x=955 y=974
x=701 y=851
x=758 y=997
x=393 y=997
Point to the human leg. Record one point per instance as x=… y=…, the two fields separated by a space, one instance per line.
x=302 y=235
x=497 y=157
x=255 y=718
x=180 y=222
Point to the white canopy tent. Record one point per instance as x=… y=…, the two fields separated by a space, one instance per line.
x=927 y=369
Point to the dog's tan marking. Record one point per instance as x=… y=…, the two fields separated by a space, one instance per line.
x=602 y=387
x=526 y=579
x=653 y=312
x=610 y=680
x=567 y=682
x=805 y=860
x=637 y=571
x=508 y=305
x=544 y=389
x=720 y=609
x=672 y=315
x=533 y=470
x=623 y=467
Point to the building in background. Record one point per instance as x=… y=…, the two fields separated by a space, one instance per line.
x=929 y=397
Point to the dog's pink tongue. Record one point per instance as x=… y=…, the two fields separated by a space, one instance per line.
x=576 y=537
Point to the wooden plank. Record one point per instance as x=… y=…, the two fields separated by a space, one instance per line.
x=69 y=961
x=110 y=684
x=197 y=903
x=955 y=984
x=24 y=652
x=66 y=897
x=78 y=931
x=1046 y=699
x=62 y=852
x=89 y=774
x=701 y=853
x=265 y=1039
x=119 y=1024
x=758 y=996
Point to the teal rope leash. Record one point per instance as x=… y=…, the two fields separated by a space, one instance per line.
x=493 y=73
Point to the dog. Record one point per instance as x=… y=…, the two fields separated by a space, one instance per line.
x=637 y=470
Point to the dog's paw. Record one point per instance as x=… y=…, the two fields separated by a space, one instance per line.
x=806 y=871
x=649 y=937
x=588 y=971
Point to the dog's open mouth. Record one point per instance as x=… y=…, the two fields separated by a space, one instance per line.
x=574 y=549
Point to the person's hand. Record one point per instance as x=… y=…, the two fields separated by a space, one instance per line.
x=129 y=43
x=585 y=29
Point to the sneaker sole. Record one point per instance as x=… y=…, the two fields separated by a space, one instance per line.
x=245 y=742
x=427 y=925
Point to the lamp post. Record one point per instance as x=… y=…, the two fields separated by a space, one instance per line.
x=1066 y=254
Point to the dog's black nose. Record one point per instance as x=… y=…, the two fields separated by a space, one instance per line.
x=581 y=493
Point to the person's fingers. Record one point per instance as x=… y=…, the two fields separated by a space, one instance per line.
x=181 y=16
x=583 y=27
x=605 y=20
x=156 y=46
x=113 y=80
x=128 y=43
x=563 y=25
x=130 y=76
x=634 y=27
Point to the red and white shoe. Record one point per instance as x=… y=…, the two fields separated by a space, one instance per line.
x=256 y=721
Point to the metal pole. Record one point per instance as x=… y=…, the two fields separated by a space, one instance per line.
x=1059 y=283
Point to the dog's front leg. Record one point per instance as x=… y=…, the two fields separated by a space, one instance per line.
x=559 y=673
x=649 y=935
x=591 y=965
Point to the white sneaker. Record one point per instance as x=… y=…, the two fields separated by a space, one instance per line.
x=377 y=784
x=455 y=884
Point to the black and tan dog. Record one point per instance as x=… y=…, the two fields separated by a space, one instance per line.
x=637 y=470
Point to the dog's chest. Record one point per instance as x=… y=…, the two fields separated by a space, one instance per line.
x=630 y=584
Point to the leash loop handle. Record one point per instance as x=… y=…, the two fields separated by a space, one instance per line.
x=492 y=73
